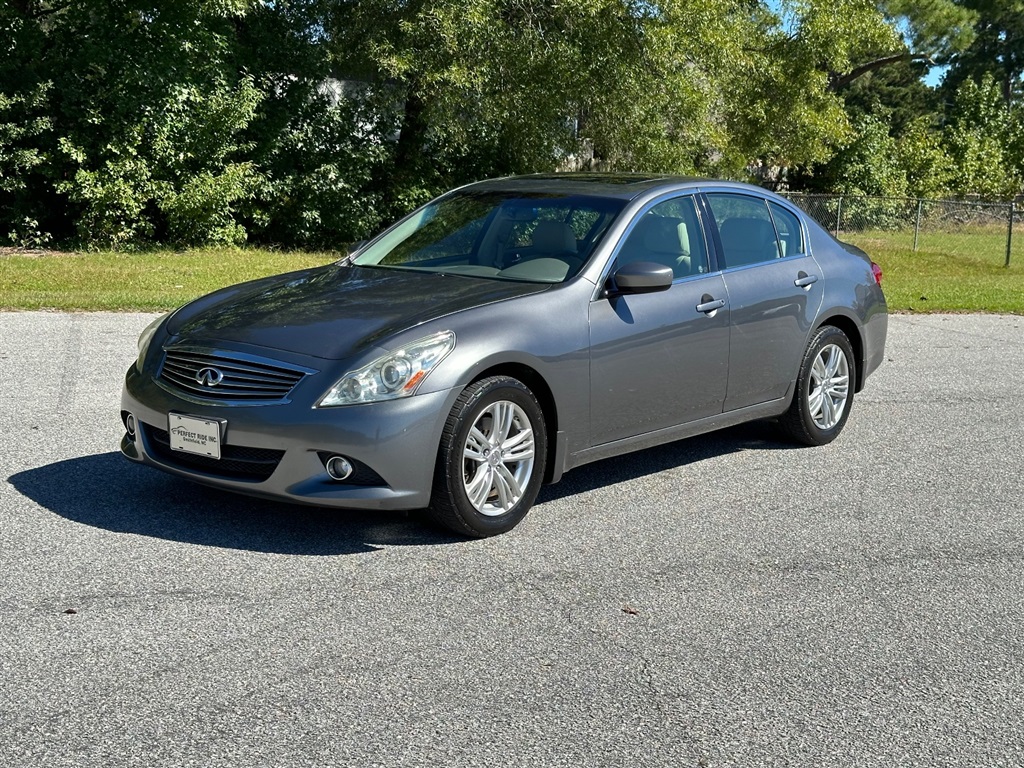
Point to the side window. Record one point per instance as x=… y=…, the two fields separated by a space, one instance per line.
x=746 y=229
x=791 y=241
x=669 y=234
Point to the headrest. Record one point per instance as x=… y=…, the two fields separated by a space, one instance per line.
x=662 y=234
x=554 y=237
x=744 y=233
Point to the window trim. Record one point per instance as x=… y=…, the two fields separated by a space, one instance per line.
x=705 y=192
x=804 y=251
x=701 y=214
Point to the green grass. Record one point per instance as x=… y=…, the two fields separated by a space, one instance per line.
x=968 y=278
x=148 y=281
x=964 y=276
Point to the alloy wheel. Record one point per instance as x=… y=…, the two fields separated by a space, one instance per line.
x=498 y=458
x=829 y=387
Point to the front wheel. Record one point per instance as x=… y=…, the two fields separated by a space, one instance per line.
x=824 y=389
x=490 y=463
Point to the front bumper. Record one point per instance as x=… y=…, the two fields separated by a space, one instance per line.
x=396 y=441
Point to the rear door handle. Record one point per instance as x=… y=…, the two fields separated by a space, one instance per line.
x=803 y=280
x=709 y=305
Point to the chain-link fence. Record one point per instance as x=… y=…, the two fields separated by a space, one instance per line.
x=988 y=231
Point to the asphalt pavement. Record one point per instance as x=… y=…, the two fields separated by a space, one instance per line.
x=727 y=600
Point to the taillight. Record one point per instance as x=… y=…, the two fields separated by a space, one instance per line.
x=877 y=272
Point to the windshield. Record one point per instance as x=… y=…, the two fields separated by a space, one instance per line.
x=544 y=238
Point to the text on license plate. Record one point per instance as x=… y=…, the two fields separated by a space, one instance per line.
x=194 y=435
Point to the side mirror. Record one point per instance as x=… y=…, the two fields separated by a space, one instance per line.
x=640 y=277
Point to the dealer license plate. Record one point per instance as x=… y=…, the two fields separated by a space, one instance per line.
x=194 y=435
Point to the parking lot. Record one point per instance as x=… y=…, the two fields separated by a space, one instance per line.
x=725 y=600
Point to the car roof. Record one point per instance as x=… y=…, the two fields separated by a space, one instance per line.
x=625 y=186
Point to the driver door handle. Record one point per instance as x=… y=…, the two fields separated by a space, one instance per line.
x=709 y=304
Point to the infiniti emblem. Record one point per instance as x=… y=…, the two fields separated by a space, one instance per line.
x=209 y=377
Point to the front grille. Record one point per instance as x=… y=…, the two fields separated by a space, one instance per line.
x=237 y=462
x=242 y=379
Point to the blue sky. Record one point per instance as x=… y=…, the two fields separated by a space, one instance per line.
x=934 y=76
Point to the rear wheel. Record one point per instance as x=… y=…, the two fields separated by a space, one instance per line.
x=824 y=389
x=490 y=463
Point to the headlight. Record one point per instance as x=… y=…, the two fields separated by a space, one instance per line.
x=147 y=336
x=397 y=374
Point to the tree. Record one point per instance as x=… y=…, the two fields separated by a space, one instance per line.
x=149 y=109
x=882 y=86
x=980 y=139
x=868 y=165
x=309 y=122
x=24 y=127
x=488 y=87
x=783 y=106
x=997 y=48
x=895 y=94
x=937 y=28
x=924 y=160
x=317 y=141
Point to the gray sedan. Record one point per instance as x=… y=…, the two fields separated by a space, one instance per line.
x=503 y=334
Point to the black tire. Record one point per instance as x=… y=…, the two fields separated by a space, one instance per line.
x=493 y=478
x=809 y=420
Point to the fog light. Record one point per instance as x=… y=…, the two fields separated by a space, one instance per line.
x=338 y=467
x=130 y=425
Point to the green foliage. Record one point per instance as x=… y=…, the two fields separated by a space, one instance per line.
x=895 y=94
x=939 y=28
x=484 y=88
x=316 y=186
x=125 y=123
x=837 y=33
x=963 y=140
x=488 y=88
x=112 y=196
x=25 y=128
x=1014 y=147
x=18 y=152
x=978 y=137
x=201 y=210
x=921 y=155
x=22 y=125
x=869 y=165
x=186 y=122
x=170 y=172
x=996 y=49
x=869 y=172
x=154 y=114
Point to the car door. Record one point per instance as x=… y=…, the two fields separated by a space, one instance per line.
x=774 y=293
x=660 y=359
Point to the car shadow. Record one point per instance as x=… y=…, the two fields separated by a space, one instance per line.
x=105 y=491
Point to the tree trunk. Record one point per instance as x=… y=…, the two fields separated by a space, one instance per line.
x=412 y=135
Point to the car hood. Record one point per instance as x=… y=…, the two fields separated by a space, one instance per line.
x=333 y=312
